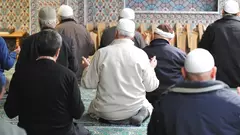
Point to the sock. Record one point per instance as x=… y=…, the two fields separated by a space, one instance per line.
x=138 y=119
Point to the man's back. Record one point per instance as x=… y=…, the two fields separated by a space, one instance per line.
x=109 y=35
x=170 y=61
x=84 y=45
x=189 y=111
x=222 y=40
x=29 y=53
x=47 y=97
x=124 y=74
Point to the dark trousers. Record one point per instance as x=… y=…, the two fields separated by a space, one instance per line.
x=154 y=96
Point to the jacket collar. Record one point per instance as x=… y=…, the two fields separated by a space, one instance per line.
x=199 y=87
x=67 y=20
x=159 y=42
x=46 y=28
x=230 y=17
x=122 y=41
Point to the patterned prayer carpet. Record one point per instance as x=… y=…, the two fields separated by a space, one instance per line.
x=93 y=125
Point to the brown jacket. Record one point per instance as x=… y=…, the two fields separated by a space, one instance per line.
x=84 y=45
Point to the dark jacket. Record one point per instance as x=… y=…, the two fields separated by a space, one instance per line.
x=222 y=40
x=197 y=108
x=7 y=59
x=29 y=53
x=84 y=45
x=46 y=97
x=170 y=61
x=109 y=35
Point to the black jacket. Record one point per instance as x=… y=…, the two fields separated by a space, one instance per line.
x=46 y=97
x=222 y=40
x=29 y=53
x=109 y=35
x=170 y=61
x=197 y=108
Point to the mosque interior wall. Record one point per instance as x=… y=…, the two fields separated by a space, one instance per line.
x=23 y=14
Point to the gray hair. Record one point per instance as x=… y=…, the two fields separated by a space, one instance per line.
x=49 y=42
x=125 y=33
x=47 y=23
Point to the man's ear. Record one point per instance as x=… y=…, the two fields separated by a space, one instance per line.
x=214 y=72
x=184 y=73
x=222 y=12
x=116 y=34
x=238 y=14
x=57 y=53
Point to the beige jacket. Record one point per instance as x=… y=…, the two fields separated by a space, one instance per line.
x=122 y=75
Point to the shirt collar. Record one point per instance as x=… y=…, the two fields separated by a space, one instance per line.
x=123 y=41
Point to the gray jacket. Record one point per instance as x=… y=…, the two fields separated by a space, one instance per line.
x=83 y=43
x=8 y=129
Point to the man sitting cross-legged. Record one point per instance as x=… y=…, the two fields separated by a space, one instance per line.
x=199 y=105
x=44 y=94
x=122 y=74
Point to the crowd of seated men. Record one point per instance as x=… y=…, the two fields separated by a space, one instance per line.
x=184 y=94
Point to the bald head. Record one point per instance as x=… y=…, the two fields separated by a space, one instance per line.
x=199 y=66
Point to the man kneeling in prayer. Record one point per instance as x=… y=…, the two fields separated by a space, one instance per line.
x=199 y=105
x=122 y=74
x=44 y=94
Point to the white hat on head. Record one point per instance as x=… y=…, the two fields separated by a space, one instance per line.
x=127 y=13
x=231 y=7
x=199 y=61
x=65 y=11
x=126 y=25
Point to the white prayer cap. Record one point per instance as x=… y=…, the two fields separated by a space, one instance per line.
x=126 y=25
x=127 y=13
x=231 y=7
x=199 y=61
x=65 y=11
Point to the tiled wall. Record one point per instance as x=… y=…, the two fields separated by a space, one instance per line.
x=35 y=5
x=16 y=13
x=107 y=10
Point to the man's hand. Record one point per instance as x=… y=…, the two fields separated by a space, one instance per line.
x=17 y=50
x=238 y=90
x=153 y=62
x=85 y=62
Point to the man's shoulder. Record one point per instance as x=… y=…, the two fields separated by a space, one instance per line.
x=30 y=38
x=1 y=40
x=8 y=129
x=110 y=30
x=64 y=70
x=229 y=95
x=177 y=51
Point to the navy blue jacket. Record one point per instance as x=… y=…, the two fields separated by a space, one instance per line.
x=7 y=59
x=197 y=108
x=170 y=61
